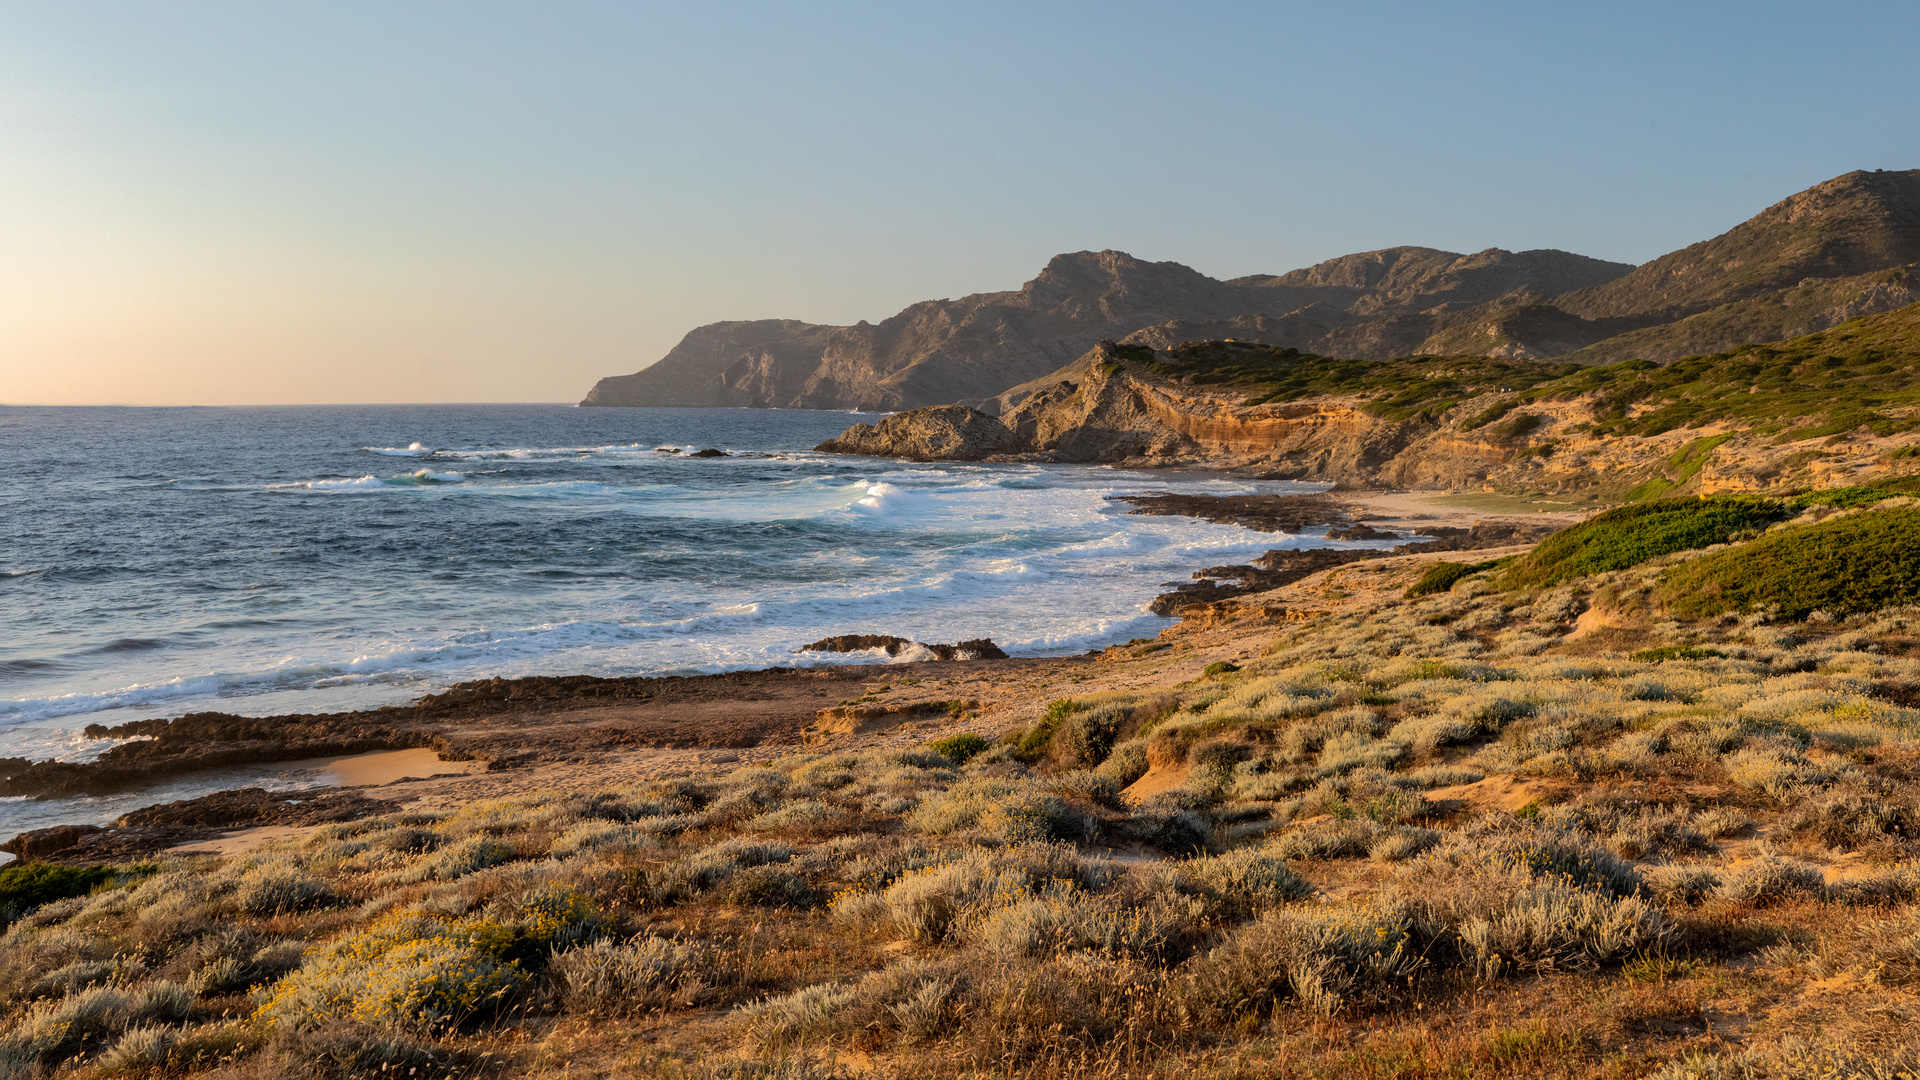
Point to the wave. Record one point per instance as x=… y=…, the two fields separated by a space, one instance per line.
x=370 y=482
x=414 y=450
x=887 y=499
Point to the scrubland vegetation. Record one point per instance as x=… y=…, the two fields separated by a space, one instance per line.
x=1554 y=817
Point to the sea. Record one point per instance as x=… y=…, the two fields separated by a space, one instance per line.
x=261 y=561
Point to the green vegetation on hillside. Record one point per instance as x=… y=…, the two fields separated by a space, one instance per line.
x=1442 y=576
x=1630 y=535
x=26 y=886
x=1860 y=562
x=1821 y=384
x=1400 y=389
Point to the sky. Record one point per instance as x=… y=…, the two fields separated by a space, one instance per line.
x=304 y=202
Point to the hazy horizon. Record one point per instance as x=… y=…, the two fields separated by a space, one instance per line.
x=222 y=204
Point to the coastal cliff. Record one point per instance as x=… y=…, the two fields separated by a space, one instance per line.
x=1828 y=409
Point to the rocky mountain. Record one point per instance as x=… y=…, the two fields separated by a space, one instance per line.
x=1829 y=409
x=973 y=348
x=1844 y=248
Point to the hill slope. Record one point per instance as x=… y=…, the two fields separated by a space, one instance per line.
x=1830 y=409
x=1844 y=248
x=977 y=346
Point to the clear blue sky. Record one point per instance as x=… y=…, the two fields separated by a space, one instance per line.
x=465 y=201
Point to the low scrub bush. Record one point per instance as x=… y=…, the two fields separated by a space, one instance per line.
x=608 y=978
x=1770 y=879
x=1086 y=738
x=1332 y=838
x=90 y=1020
x=1127 y=763
x=1244 y=879
x=1856 y=563
x=960 y=748
x=407 y=971
x=1014 y=810
x=348 y=1049
x=1553 y=924
x=1062 y=920
x=927 y=903
x=1775 y=767
x=1630 y=535
x=273 y=889
x=1682 y=884
x=26 y=886
x=1442 y=576
x=1326 y=960
x=694 y=874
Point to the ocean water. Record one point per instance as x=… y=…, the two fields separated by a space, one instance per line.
x=267 y=560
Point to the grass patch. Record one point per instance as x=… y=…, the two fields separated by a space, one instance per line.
x=1861 y=562
x=1629 y=535
x=1502 y=504
x=1676 y=652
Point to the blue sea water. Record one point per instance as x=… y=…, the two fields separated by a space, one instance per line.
x=269 y=560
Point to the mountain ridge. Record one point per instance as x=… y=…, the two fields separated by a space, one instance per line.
x=1846 y=247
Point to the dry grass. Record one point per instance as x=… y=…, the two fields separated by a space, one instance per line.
x=1439 y=838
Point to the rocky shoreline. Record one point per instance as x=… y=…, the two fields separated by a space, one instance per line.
x=543 y=720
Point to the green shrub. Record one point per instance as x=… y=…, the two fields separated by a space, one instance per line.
x=1220 y=667
x=1086 y=738
x=960 y=748
x=1033 y=743
x=25 y=886
x=1860 y=562
x=1844 y=498
x=407 y=971
x=1488 y=415
x=1127 y=763
x=1442 y=576
x=1630 y=535
x=1514 y=427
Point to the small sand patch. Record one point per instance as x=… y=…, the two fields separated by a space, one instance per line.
x=382 y=767
x=241 y=841
x=1159 y=778
x=1493 y=793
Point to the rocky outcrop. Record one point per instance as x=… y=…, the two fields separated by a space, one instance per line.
x=153 y=829
x=974 y=649
x=1120 y=413
x=937 y=433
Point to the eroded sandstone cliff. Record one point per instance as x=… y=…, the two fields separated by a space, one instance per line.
x=1835 y=408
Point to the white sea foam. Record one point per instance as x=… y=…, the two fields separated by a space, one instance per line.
x=1032 y=557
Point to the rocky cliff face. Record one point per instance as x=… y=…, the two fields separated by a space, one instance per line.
x=1841 y=407
x=1119 y=412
